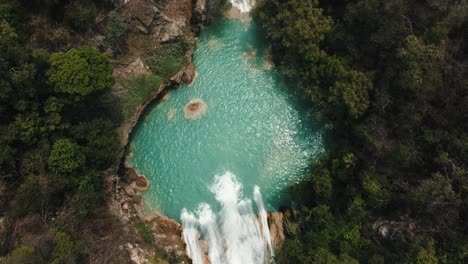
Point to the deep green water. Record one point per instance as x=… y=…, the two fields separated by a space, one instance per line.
x=254 y=127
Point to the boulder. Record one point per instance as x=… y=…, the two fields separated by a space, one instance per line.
x=169 y=32
x=129 y=190
x=189 y=74
x=275 y=222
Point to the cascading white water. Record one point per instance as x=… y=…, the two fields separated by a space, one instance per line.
x=243 y=5
x=237 y=236
x=190 y=234
x=263 y=217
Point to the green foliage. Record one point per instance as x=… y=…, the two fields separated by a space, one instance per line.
x=80 y=14
x=137 y=91
x=117 y=27
x=377 y=195
x=66 y=250
x=100 y=143
x=167 y=59
x=436 y=198
x=352 y=91
x=158 y=258
x=66 y=157
x=420 y=63
x=23 y=255
x=300 y=28
x=44 y=101
x=388 y=79
x=8 y=34
x=146 y=233
x=29 y=197
x=80 y=71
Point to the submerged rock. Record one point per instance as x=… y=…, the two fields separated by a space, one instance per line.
x=171 y=114
x=196 y=108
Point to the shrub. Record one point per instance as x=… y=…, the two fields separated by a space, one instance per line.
x=29 y=197
x=167 y=59
x=80 y=15
x=146 y=233
x=23 y=255
x=116 y=30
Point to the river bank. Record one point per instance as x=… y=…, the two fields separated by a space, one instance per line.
x=151 y=25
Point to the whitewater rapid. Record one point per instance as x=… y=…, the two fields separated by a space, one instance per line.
x=243 y=5
x=236 y=235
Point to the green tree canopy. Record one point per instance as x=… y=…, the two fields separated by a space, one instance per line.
x=80 y=71
x=65 y=157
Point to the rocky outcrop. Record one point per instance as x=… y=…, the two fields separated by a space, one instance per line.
x=199 y=12
x=190 y=74
x=275 y=222
x=166 y=21
x=128 y=206
x=403 y=230
x=138 y=182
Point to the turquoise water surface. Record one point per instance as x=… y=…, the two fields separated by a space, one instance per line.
x=254 y=127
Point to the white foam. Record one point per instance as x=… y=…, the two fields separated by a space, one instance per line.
x=236 y=236
x=243 y=5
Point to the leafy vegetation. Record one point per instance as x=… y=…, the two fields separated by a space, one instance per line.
x=80 y=71
x=137 y=91
x=117 y=27
x=167 y=59
x=389 y=79
x=146 y=233
x=55 y=132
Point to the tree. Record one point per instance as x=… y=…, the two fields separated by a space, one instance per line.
x=29 y=197
x=352 y=92
x=65 y=157
x=420 y=71
x=81 y=71
x=117 y=27
x=99 y=142
x=80 y=14
x=23 y=254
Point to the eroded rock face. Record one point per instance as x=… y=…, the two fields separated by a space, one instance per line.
x=275 y=222
x=404 y=230
x=189 y=74
x=199 y=12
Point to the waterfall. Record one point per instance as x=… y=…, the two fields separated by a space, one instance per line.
x=190 y=234
x=243 y=5
x=263 y=217
x=238 y=236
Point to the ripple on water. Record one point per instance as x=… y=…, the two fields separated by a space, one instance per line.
x=254 y=127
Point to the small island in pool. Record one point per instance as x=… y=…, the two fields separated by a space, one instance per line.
x=194 y=109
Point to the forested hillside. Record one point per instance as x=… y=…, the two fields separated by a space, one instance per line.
x=390 y=82
x=57 y=133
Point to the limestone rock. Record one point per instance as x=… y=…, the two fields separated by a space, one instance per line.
x=199 y=12
x=169 y=32
x=403 y=230
x=189 y=74
x=137 y=255
x=129 y=190
x=275 y=222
